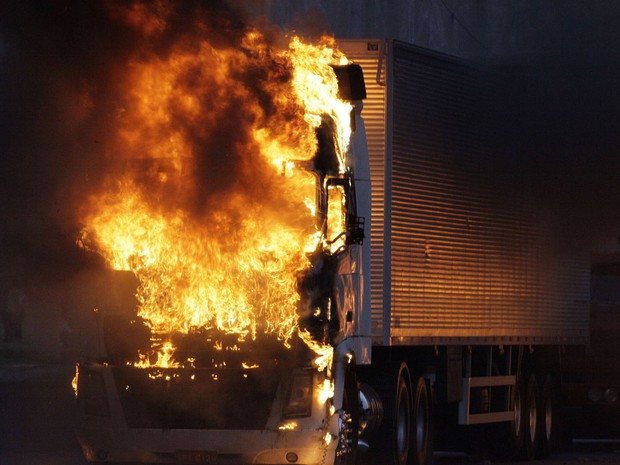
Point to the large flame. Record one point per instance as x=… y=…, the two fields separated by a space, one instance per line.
x=213 y=209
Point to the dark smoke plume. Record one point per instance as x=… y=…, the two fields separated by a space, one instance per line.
x=61 y=63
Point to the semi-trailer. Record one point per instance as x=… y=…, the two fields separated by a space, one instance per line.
x=446 y=294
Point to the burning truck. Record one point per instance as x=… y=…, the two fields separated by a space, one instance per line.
x=248 y=315
x=275 y=322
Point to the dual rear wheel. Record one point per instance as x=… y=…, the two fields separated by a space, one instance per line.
x=406 y=437
x=405 y=434
x=532 y=432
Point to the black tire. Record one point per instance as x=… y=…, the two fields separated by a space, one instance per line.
x=510 y=437
x=391 y=444
x=532 y=425
x=401 y=422
x=547 y=419
x=422 y=431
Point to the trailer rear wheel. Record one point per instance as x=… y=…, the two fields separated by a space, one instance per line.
x=547 y=420
x=532 y=426
x=422 y=439
x=511 y=436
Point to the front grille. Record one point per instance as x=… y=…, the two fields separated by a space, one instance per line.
x=196 y=398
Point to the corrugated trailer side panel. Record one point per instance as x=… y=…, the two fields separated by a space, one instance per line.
x=464 y=257
x=367 y=54
x=472 y=259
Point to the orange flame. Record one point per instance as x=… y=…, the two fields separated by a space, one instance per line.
x=164 y=358
x=224 y=252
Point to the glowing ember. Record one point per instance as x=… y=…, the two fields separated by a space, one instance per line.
x=291 y=426
x=326 y=391
x=214 y=211
x=249 y=367
x=74 y=381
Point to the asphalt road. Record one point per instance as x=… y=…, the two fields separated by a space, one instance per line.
x=37 y=415
x=38 y=418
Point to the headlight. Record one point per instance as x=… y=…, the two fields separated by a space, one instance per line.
x=299 y=402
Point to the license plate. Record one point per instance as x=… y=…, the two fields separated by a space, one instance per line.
x=195 y=456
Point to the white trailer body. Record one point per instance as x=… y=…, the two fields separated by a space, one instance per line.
x=456 y=257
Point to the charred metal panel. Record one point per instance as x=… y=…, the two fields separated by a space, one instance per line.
x=209 y=399
x=461 y=252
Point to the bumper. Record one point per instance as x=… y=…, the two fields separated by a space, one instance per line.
x=105 y=435
x=230 y=447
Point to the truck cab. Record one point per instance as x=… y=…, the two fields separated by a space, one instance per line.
x=247 y=400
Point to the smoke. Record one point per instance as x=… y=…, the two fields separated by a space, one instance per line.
x=64 y=67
